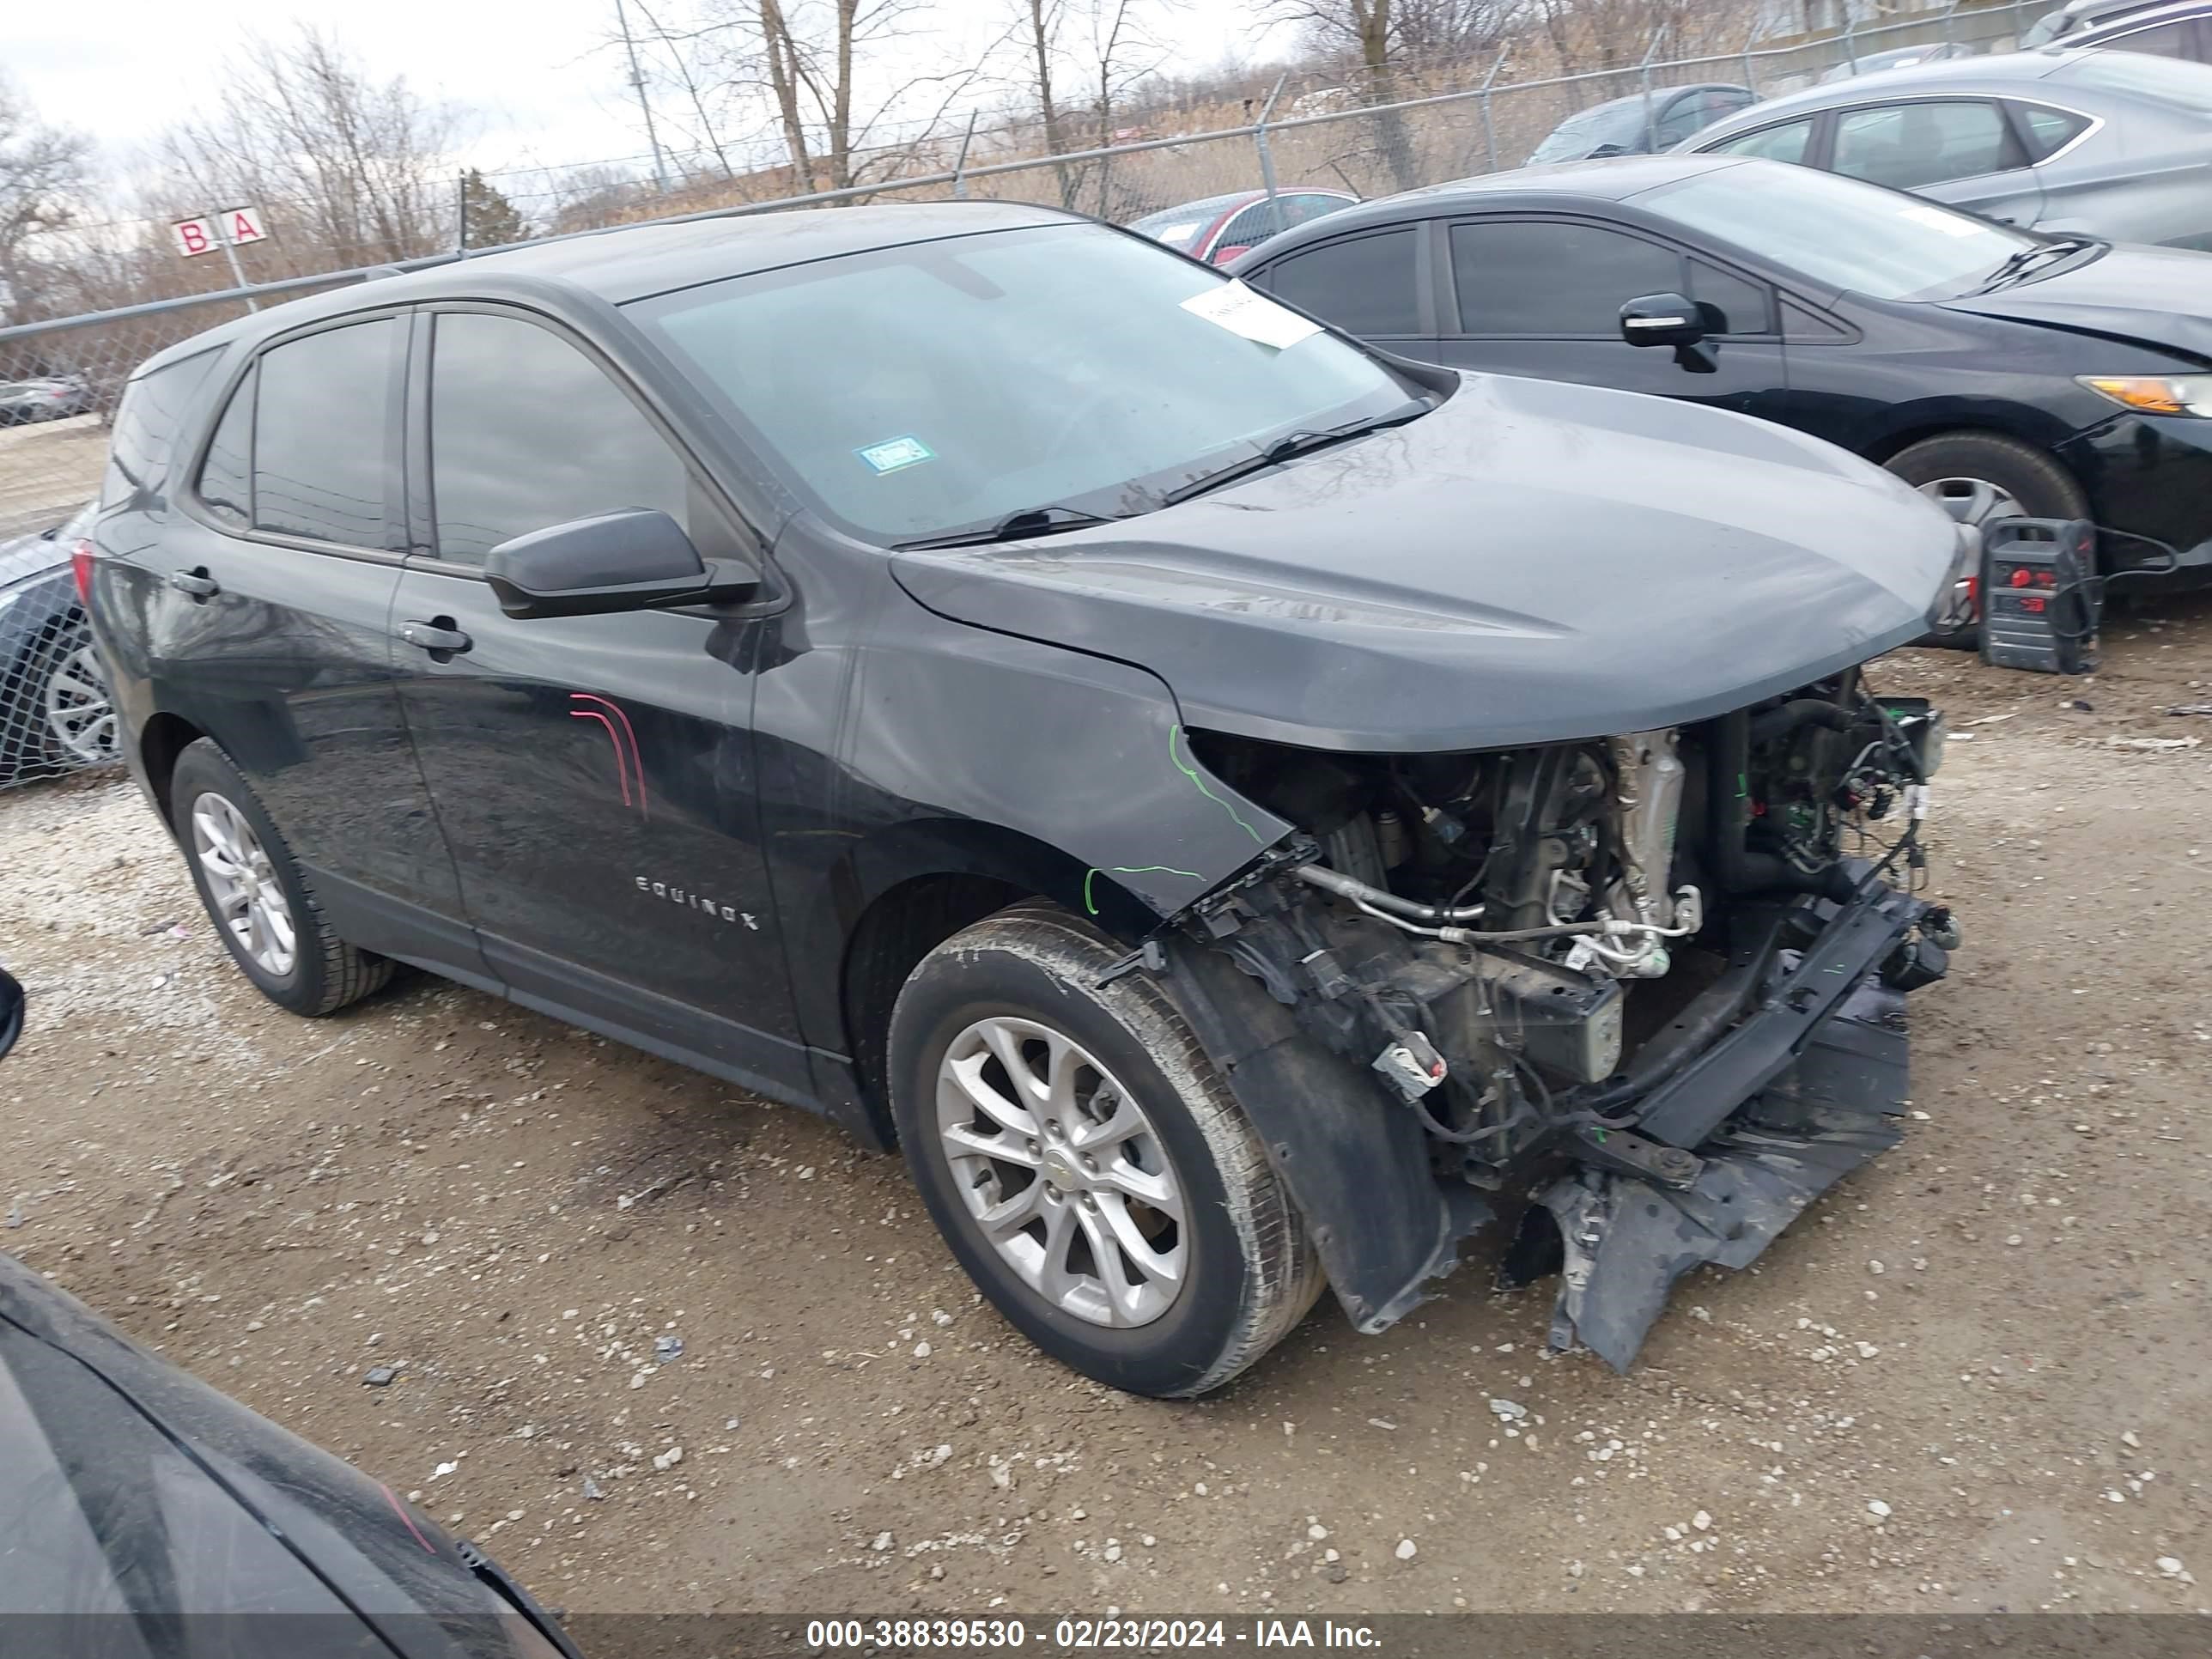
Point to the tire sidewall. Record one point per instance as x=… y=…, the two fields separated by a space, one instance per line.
x=200 y=769
x=953 y=990
x=2039 y=484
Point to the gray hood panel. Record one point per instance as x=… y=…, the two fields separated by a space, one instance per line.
x=1531 y=561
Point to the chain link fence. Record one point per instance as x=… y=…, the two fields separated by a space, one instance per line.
x=60 y=379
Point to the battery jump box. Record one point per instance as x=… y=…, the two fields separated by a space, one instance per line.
x=2040 y=594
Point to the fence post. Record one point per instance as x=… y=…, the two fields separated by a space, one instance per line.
x=1850 y=50
x=1750 y=69
x=1260 y=136
x=1948 y=12
x=960 y=165
x=1651 y=128
x=461 y=217
x=1489 y=126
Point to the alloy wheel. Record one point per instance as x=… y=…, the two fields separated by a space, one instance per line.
x=1973 y=501
x=243 y=885
x=79 y=711
x=1062 y=1172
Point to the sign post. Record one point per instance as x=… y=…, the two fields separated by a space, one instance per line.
x=228 y=230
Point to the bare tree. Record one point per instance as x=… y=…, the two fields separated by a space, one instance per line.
x=351 y=170
x=43 y=171
x=1366 y=32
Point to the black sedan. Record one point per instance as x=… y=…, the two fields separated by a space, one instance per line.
x=2001 y=372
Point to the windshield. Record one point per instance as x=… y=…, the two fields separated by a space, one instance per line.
x=1621 y=122
x=917 y=390
x=1881 y=243
x=2174 y=81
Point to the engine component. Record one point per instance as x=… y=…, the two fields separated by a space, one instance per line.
x=1566 y=1022
x=1647 y=796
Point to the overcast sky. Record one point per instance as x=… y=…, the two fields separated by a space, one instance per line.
x=537 y=85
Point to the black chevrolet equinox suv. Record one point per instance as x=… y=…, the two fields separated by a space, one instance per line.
x=1225 y=803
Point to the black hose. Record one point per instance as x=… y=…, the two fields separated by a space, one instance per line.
x=1736 y=869
x=1801 y=711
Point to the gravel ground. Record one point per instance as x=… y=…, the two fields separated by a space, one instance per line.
x=1974 y=1378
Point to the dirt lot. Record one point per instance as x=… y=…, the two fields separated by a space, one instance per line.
x=1980 y=1375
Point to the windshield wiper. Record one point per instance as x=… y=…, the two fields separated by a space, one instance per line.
x=1015 y=526
x=1289 y=447
x=2016 y=265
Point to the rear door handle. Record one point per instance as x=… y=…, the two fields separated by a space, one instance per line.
x=197 y=583
x=437 y=636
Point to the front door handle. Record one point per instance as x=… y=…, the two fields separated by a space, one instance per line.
x=438 y=636
x=197 y=583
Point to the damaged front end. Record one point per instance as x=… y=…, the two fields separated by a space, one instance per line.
x=1659 y=976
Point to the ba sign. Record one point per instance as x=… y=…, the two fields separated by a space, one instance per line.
x=237 y=226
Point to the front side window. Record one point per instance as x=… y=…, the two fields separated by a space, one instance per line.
x=1906 y=146
x=526 y=431
x=1785 y=142
x=2167 y=40
x=1552 y=279
x=1364 y=284
x=1839 y=231
x=321 y=421
x=918 y=390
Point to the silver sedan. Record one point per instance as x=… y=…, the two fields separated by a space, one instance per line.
x=2118 y=144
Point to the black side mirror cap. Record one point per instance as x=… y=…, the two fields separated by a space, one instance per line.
x=1667 y=320
x=11 y=1011
x=634 y=559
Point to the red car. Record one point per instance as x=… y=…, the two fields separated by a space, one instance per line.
x=1219 y=227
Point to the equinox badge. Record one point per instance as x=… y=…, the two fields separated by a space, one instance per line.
x=691 y=900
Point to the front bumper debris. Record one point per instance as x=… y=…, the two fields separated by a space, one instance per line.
x=1809 y=1087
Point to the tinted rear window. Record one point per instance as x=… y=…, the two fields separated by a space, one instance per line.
x=321 y=424
x=1365 y=284
x=146 y=424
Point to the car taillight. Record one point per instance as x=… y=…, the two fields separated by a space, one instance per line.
x=81 y=568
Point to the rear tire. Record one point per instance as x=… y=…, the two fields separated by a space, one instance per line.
x=256 y=894
x=1119 y=1129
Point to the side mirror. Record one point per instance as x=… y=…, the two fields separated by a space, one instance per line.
x=11 y=1011
x=633 y=560
x=1669 y=319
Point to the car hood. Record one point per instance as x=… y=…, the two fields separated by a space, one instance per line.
x=2152 y=295
x=1531 y=562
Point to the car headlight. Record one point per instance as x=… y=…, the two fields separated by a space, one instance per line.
x=2155 y=394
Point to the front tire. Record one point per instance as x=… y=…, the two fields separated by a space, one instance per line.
x=1086 y=1164
x=256 y=894
x=1980 y=478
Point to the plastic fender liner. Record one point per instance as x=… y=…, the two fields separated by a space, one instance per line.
x=1356 y=1162
x=1627 y=1240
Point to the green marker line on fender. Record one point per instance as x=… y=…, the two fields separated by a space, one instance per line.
x=1191 y=772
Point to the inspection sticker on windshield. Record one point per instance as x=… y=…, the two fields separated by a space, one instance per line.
x=1244 y=311
x=1952 y=224
x=893 y=453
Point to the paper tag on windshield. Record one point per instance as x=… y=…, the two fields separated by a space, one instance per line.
x=1245 y=310
x=1951 y=224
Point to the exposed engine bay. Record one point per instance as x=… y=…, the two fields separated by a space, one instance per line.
x=1658 y=975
